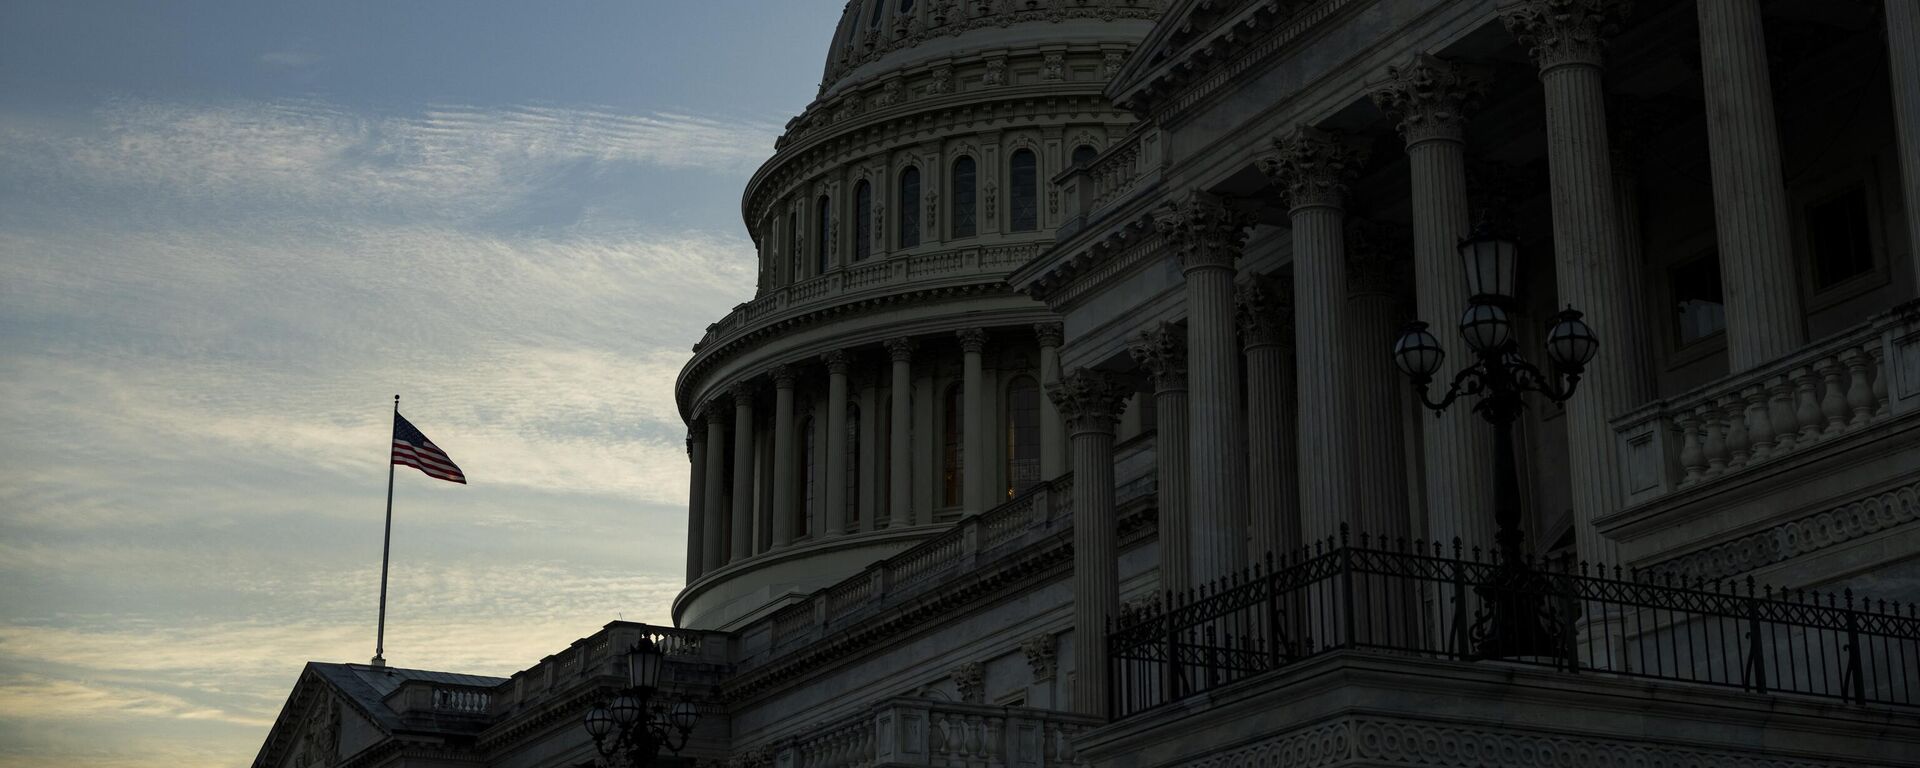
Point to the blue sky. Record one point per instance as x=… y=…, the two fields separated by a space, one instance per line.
x=231 y=231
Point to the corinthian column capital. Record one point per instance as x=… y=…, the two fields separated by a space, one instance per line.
x=783 y=377
x=1313 y=166
x=1263 y=307
x=837 y=361
x=1090 y=400
x=1428 y=97
x=1561 y=32
x=1203 y=232
x=742 y=392
x=972 y=340
x=1163 y=352
x=900 y=350
x=1050 y=334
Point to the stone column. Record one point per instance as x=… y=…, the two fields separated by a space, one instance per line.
x=713 y=544
x=973 y=447
x=1757 y=273
x=1312 y=168
x=1207 y=237
x=1264 y=309
x=1903 y=57
x=1092 y=402
x=1427 y=98
x=1053 y=441
x=1163 y=352
x=1566 y=39
x=1374 y=281
x=742 y=470
x=696 y=495
x=785 y=457
x=900 y=465
x=834 y=513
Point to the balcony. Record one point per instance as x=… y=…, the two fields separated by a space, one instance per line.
x=1125 y=169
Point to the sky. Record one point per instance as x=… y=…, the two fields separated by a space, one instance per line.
x=230 y=232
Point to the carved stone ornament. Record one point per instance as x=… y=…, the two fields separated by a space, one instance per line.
x=1202 y=231
x=891 y=94
x=899 y=350
x=942 y=81
x=1264 y=309
x=742 y=392
x=1560 y=32
x=1054 y=66
x=1090 y=400
x=1111 y=63
x=1428 y=97
x=1374 y=258
x=971 y=679
x=783 y=376
x=1050 y=334
x=837 y=361
x=696 y=429
x=1313 y=166
x=319 y=744
x=996 y=72
x=988 y=190
x=1043 y=655
x=972 y=340
x=1163 y=352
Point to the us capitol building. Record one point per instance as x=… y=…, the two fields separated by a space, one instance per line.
x=1077 y=419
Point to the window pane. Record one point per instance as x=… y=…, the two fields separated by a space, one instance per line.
x=1023 y=178
x=1700 y=310
x=910 y=207
x=1837 y=228
x=963 y=192
x=862 y=221
x=1023 y=435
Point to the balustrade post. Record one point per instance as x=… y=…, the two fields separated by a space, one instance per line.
x=1833 y=404
x=1781 y=413
x=1859 y=396
x=1759 y=424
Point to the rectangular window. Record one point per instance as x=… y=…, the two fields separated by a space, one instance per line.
x=1837 y=235
x=1698 y=305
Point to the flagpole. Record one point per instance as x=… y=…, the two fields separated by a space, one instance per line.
x=386 y=547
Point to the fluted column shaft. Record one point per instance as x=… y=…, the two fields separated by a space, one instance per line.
x=696 y=498
x=785 y=451
x=742 y=472
x=1903 y=58
x=973 y=447
x=1162 y=352
x=1208 y=237
x=1092 y=402
x=1589 y=266
x=1428 y=97
x=834 y=517
x=1380 y=470
x=713 y=544
x=900 y=465
x=1265 y=312
x=1053 y=439
x=1757 y=274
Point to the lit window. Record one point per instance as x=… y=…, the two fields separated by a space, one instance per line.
x=1023 y=435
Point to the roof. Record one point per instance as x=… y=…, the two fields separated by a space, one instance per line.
x=361 y=687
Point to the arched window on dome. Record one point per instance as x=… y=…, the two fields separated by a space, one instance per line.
x=874 y=13
x=795 y=258
x=806 y=489
x=964 y=207
x=823 y=239
x=853 y=467
x=862 y=220
x=1084 y=154
x=952 y=470
x=910 y=207
x=1023 y=180
x=906 y=5
x=1023 y=434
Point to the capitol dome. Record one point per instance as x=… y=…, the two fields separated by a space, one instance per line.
x=884 y=380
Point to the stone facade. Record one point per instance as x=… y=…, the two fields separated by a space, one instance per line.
x=1075 y=315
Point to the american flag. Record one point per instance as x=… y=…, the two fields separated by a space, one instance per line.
x=412 y=449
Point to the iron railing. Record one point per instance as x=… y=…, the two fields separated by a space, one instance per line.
x=1413 y=599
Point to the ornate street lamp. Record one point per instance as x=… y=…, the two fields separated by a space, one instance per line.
x=1512 y=622
x=631 y=729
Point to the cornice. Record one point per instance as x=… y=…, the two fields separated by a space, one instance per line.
x=1124 y=245
x=1199 y=68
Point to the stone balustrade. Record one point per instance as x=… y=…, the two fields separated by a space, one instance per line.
x=1127 y=167
x=872 y=278
x=602 y=656
x=939 y=734
x=1822 y=395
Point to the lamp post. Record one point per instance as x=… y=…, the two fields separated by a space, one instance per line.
x=631 y=729
x=1511 y=623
